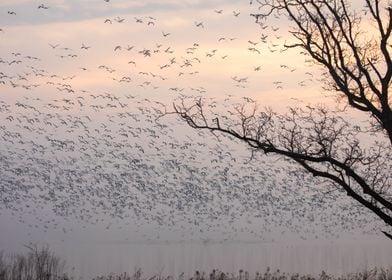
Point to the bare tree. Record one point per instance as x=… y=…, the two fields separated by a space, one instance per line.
x=357 y=67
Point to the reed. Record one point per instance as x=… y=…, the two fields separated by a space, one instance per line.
x=372 y=274
x=42 y=264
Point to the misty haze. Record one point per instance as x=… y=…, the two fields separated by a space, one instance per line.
x=195 y=139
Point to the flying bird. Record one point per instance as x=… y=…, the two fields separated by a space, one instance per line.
x=84 y=47
x=199 y=24
x=119 y=20
x=129 y=48
x=252 y=43
x=54 y=46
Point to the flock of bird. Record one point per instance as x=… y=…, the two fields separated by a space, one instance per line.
x=87 y=154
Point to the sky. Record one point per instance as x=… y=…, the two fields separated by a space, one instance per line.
x=85 y=159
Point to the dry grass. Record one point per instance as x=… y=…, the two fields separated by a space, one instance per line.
x=374 y=274
x=36 y=264
x=42 y=264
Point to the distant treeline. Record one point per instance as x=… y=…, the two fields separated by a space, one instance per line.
x=42 y=264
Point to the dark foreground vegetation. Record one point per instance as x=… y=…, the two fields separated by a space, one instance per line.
x=42 y=264
x=376 y=274
x=36 y=264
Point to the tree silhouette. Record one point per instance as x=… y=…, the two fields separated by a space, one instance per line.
x=357 y=67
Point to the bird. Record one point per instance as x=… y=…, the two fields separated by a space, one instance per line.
x=199 y=24
x=252 y=43
x=254 y=50
x=42 y=6
x=90 y=153
x=84 y=47
x=119 y=20
x=129 y=48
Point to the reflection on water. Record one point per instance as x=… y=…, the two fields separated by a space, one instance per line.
x=334 y=257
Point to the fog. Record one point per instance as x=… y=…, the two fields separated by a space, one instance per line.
x=94 y=164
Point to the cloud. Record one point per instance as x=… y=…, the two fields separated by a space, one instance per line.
x=27 y=12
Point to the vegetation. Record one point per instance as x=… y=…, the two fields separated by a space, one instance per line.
x=42 y=264
x=36 y=264
x=377 y=274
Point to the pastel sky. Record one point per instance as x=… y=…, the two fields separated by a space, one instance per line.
x=78 y=78
x=223 y=50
